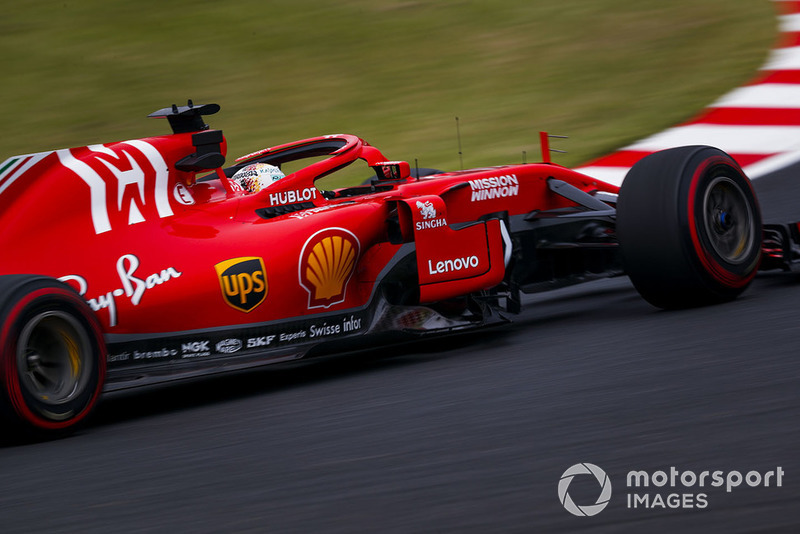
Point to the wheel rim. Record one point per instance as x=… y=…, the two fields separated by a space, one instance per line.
x=728 y=220
x=51 y=358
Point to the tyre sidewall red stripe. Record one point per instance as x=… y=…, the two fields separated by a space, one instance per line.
x=694 y=217
x=8 y=344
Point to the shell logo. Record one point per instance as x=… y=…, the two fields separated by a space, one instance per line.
x=327 y=262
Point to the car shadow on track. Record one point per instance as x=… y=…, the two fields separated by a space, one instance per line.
x=136 y=403
x=611 y=299
x=577 y=302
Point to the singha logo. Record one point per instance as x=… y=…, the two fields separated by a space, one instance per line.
x=426 y=209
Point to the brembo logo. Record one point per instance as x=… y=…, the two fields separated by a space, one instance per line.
x=243 y=282
x=327 y=262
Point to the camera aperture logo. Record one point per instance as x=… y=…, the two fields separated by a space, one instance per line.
x=590 y=509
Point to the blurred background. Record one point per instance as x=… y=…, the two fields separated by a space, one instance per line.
x=465 y=434
x=395 y=72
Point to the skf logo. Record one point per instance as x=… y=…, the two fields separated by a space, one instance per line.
x=243 y=282
x=327 y=262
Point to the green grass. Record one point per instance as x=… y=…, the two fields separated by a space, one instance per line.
x=395 y=72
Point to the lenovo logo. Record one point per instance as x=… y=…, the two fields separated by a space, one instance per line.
x=453 y=265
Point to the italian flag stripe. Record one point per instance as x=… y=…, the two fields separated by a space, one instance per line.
x=10 y=162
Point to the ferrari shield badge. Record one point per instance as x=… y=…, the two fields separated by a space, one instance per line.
x=243 y=282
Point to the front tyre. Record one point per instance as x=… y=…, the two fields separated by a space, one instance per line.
x=689 y=227
x=52 y=355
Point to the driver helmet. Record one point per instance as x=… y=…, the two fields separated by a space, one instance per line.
x=257 y=176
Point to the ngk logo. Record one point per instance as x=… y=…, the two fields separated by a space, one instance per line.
x=195 y=346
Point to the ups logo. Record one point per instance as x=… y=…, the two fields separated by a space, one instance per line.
x=243 y=282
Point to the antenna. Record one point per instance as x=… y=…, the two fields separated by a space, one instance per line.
x=544 y=139
x=416 y=167
x=460 y=154
x=524 y=157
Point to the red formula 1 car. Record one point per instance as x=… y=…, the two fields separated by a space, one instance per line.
x=125 y=263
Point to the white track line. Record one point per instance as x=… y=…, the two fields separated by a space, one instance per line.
x=766 y=95
x=778 y=145
x=732 y=139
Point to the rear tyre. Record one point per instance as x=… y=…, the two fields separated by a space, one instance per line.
x=52 y=355
x=689 y=227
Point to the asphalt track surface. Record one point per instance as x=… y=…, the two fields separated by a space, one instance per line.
x=466 y=434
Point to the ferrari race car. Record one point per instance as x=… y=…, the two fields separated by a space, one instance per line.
x=134 y=262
